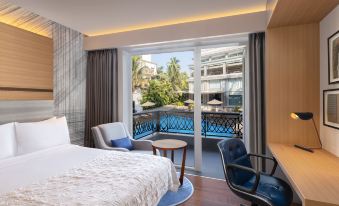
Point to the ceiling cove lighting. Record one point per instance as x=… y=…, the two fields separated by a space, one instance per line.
x=180 y=21
x=43 y=29
x=18 y=17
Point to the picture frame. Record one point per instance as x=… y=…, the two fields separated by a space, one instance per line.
x=333 y=58
x=331 y=108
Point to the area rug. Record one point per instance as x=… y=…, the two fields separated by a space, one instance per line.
x=184 y=192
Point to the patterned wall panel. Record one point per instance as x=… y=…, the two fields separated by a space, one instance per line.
x=70 y=79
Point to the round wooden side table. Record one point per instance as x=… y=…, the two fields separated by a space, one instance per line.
x=171 y=145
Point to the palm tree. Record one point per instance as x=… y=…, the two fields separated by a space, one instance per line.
x=173 y=72
x=160 y=70
x=183 y=81
x=137 y=68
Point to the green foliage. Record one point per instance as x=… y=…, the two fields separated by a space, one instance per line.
x=237 y=109
x=183 y=81
x=180 y=103
x=162 y=76
x=173 y=72
x=160 y=70
x=136 y=72
x=159 y=92
x=165 y=88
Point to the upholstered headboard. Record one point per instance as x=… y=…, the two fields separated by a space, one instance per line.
x=24 y=111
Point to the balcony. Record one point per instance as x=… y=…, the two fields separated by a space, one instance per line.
x=213 y=124
x=174 y=124
x=219 y=77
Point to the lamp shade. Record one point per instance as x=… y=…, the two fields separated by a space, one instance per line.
x=302 y=115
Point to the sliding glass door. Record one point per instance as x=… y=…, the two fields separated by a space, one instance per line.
x=195 y=95
x=162 y=101
x=222 y=93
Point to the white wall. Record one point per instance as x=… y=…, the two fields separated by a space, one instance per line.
x=328 y=26
x=125 y=89
x=246 y=23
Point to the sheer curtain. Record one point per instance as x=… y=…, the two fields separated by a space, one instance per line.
x=70 y=79
x=101 y=90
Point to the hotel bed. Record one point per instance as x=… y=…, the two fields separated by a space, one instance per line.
x=73 y=175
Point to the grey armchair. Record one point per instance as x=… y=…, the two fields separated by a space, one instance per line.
x=103 y=134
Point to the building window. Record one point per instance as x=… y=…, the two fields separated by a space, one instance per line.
x=215 y=71
x=202 y=86
x=235 y=100
x=214 y=96
x=205 y=60
x=214 y=84
x=218 y=58
x=234 y=69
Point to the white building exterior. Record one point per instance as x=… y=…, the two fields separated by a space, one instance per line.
x=148 y=72
x=149 y=68
x=221 y=75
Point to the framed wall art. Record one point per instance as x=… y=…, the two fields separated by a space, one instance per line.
x=333 y=58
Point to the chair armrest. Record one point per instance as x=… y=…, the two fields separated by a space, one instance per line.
x=248 y=169
x=269 y=158
x=142 y=144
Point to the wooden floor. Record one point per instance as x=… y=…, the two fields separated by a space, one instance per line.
x=212 y=192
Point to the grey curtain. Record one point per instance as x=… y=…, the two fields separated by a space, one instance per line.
x=257 y=95
x=101 y=90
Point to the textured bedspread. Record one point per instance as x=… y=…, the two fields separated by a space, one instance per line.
x=114 y=178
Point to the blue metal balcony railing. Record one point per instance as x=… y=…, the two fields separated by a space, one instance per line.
x=213 y=124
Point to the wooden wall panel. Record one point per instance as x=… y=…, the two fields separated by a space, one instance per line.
x=26 y=62
x=25 y=95
x=270 y=7
x=296 y=12
x=292 y=83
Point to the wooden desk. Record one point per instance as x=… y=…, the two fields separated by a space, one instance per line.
x=314 y=176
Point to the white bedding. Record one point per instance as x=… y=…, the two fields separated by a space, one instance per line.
x=73 y=175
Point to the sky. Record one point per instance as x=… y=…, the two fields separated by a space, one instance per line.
x=185 y=59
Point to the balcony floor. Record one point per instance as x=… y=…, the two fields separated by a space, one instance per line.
x=211 y=160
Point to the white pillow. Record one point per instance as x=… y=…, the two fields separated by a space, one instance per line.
x=8 y=145
x=36 y=136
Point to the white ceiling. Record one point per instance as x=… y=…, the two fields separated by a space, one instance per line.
x=95 y=17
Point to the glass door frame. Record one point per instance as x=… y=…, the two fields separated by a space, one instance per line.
x=125 y=58
x=197 y=110
x=197 y=95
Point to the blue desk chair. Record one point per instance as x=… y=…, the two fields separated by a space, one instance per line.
x=247 y=183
